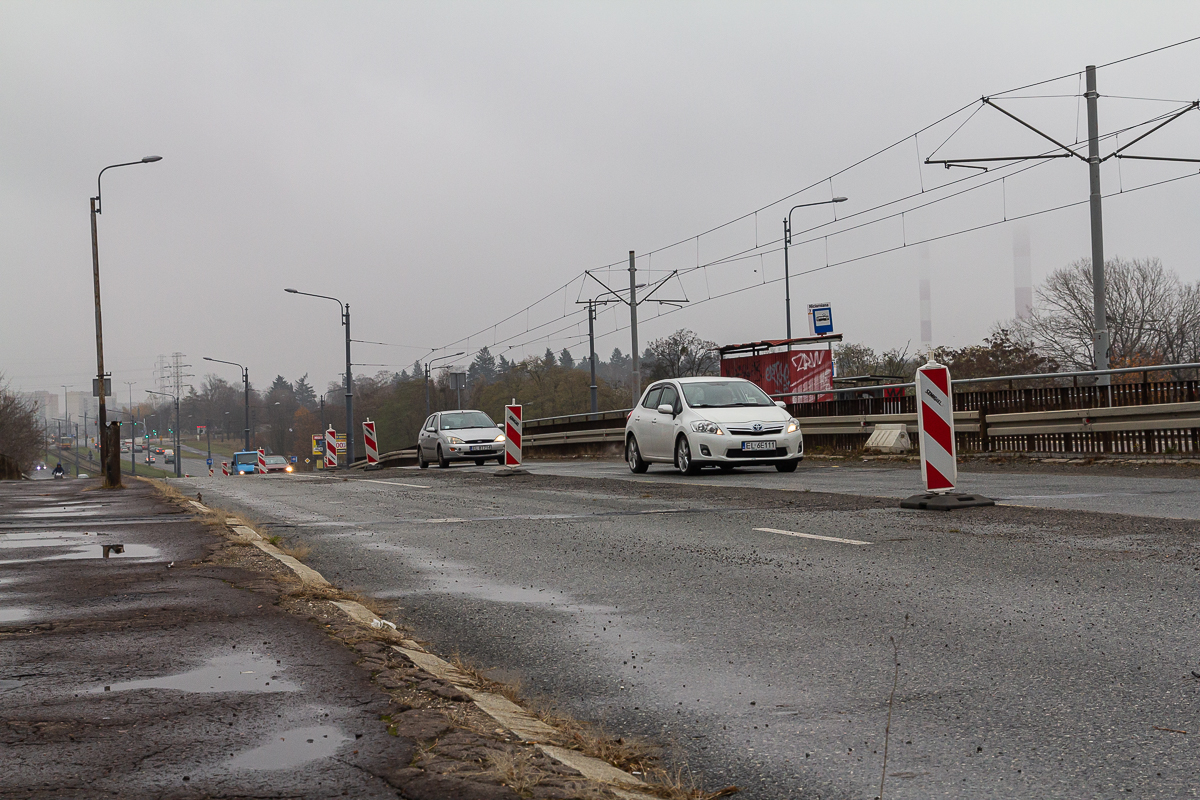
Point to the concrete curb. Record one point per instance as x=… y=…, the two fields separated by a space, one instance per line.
x=507 y=713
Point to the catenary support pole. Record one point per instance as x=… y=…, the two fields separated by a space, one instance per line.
x=349 y=396
x=1099 y=316
x=637 y=364
x=246 y=388
x=111 y=478
x=592 y=353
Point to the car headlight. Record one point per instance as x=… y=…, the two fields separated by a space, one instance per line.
x=287 y=468
x=499 y=438
x=793 y=425
x=454 y=440
x=704 y=426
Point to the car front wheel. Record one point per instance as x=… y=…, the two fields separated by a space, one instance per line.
x=787 y=466
x=443 y=462
x=633 y=457
x=683 y=458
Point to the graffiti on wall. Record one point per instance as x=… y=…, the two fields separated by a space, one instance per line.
x=781 y=373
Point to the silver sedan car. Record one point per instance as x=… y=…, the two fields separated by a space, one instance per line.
x=459 y=436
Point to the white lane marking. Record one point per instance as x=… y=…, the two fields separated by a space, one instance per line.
x=394 y=483
x=811 y=536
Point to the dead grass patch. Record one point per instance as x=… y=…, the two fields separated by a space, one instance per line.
x=514 y=769
x=479 y=680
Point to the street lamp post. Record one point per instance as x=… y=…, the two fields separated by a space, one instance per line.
x=175 y=439
x=349 y=385
x=112 y=477
x=787 y=240
x=245 y=386
x=427 y=363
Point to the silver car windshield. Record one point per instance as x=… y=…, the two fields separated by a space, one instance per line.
x=467 y=419
x=724 y=394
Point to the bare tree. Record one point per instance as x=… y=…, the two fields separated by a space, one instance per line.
x=21 y=435
x=1153 y=317
x=683 y=354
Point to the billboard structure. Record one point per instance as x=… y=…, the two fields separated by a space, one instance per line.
x=779 y=370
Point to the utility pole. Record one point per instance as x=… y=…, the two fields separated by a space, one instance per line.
x=1100 y=317
x=592 y=353
x=1101 y=335
x=637 y=363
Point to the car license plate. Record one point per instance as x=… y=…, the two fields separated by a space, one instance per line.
x=759 y=445
x=476 y=448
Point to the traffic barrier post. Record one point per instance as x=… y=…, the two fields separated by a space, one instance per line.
x=512 y=436
x=262 y=462
x=331 y=449
x=371 y=443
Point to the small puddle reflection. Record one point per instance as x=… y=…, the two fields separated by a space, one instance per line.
x=292 y=748
x=61 y=511
x=224 y=674
x=16 y=614
x=137 y=552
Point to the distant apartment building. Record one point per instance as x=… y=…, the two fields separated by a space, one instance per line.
x=80 y=404
x=47 y=403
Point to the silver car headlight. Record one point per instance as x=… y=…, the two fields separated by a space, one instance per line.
x=454 y=440
x=704 y=426
x=793 y=425
x=499 y=438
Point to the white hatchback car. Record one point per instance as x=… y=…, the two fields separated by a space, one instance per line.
x=723 y=422
x=459 y=436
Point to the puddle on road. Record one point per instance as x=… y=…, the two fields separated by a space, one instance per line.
x=292 y=748
x=14 y=613
x=114 y=551
x=62 y=511
x=223 y=674
x=47 y=538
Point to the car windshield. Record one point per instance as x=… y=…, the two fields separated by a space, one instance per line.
x=724 y=394
x=276 y=460
x=246 y=458
x=466 y=419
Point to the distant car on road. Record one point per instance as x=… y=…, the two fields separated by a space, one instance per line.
x=278 y=464
x=150 y=459
x=158 y=451
x=722 y=422
x=459 y=436
x=245 y=462
x=137 y=448
x=169 y=456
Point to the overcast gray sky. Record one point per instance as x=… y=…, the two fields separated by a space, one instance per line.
x=440 y=166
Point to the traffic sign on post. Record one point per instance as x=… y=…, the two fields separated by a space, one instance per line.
x=330 y=449
x=512 y=436
x=371 y=443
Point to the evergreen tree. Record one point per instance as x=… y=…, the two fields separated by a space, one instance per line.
x=280 y=386
x=503 y=366
x=483 y=368
x=566 y=359
x=549 y=360
x=304 y=392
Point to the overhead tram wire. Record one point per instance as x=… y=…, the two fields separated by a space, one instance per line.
x=758 y=250
x=885 y=251
x=812 y=185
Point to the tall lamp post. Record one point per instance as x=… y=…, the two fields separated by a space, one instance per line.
x=349 y=386
x=427 y=363
x=246 y=387
x=787 y=240
x=174 y=439
x=112 y=477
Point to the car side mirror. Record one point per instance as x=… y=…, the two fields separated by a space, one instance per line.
x=781 y=404
x=666 y=408
x=500 y=425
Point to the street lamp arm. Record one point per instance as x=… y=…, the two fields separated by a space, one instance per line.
x=146 y=160
x=818 y=203
x=443 y=358
x=310 y=294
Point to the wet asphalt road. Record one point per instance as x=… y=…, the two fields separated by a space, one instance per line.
x=137 y=674
x=1045 y=653
x=1102 y=489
